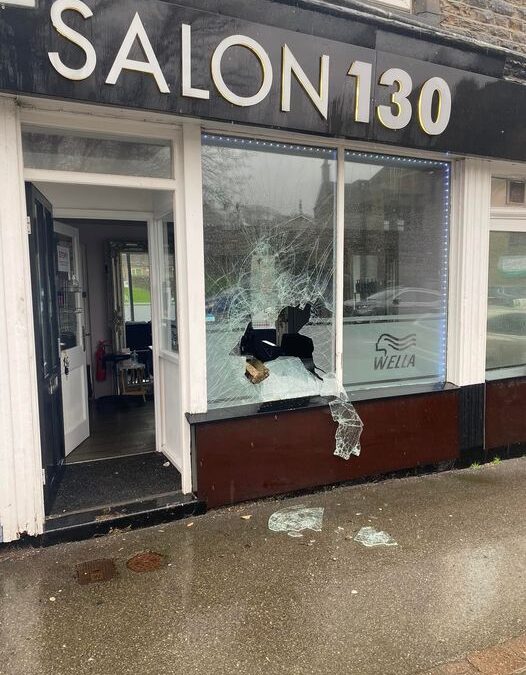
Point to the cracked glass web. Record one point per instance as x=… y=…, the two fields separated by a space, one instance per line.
x=349 y=429
x=269 y=222
x=269 y=242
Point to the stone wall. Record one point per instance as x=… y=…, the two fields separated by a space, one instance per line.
x=499 y=22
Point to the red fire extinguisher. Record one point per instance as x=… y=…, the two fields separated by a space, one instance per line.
x=100 y=355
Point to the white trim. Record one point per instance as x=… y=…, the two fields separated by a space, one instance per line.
x=405 y=5
x=191 y=269
x=468 y=282
x=102 y=179
x=21 y=493
x=103 y=214
x=153 y=254
x=296 y=138
x=99 y=124
x=339 y=266
x=173 y=357
x=510 y=223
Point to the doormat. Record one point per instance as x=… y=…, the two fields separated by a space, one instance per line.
x=94 y=571
x=146 y=561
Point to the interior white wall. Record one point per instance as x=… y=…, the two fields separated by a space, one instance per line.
x=68 y=202
x=94 y=235
x=95 y=198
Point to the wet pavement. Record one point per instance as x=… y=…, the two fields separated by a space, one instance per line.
x=234 y=597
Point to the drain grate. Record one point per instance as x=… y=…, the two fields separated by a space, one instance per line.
x=146 y=561
x=94 y=571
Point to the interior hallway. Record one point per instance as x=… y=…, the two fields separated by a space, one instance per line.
x=119 y=426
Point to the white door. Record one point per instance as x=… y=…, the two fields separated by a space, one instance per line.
x=70 y=284
x=171 y=424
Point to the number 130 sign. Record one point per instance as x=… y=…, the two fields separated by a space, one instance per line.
x=399 y=113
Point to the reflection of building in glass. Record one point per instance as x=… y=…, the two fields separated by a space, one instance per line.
x=394 y=228
x=265 y=260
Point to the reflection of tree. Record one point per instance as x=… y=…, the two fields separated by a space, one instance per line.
x=97 y=155
x=259 y=259
x=222 y=177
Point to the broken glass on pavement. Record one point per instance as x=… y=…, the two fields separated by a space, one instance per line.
x=369 y=536
x=294 y=519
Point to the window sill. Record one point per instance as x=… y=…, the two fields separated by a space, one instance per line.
x=398 y=391
x=311 y=402
x=505 y=374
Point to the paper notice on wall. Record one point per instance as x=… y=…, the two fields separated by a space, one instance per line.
x=63 y=259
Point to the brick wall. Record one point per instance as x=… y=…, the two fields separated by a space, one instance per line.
x=499 y=22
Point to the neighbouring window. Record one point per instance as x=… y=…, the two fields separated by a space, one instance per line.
x=269 y=221
x=395 y=270
x=136 y=286
x=507 y=192
x=169 y=336
x=60 y=151
x=506 y=330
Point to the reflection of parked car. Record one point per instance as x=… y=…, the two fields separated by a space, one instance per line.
x=509 y=296
x=396 y=301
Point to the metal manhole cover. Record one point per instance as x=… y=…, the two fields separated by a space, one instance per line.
x=147 y=561
x=94 y=571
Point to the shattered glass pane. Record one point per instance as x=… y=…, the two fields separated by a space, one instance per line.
x=369 y=537
x=294 y=519
x=269 y=240
x=349 y=430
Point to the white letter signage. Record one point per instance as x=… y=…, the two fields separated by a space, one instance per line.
x=151 y=66
x=58 y=23
x=266 y=70
x=320 y=98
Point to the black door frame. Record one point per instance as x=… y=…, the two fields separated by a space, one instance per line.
x=45 y=318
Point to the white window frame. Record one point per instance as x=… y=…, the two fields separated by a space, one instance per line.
x=21 y=488
x=341 y=146
x=406 y=5
x=506 y=219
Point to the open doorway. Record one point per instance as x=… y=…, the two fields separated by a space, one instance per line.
x=110 y=309
x=104 y=285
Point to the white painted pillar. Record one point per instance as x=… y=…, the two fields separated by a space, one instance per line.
x=468 y=284
x=190 y=284
x=190 y=260
x=21 y=493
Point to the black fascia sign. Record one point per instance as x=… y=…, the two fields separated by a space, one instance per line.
x=164 y=57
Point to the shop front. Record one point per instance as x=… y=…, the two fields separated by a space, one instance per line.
x=247 y=252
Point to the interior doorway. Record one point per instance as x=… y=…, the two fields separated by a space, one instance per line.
x=113 y=306
x=104 y=284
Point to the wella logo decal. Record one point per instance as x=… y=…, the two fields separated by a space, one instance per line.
x=389 y=343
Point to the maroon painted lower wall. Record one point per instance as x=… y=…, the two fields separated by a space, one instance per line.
x=251 y=457
x=505 y=413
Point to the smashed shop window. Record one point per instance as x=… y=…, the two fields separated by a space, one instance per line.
x=269 y=221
